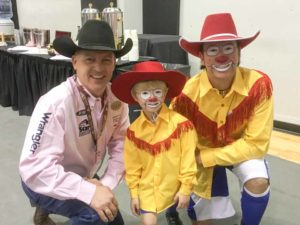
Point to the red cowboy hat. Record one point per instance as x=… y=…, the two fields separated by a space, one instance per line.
x=216 y=27
x=146 y=71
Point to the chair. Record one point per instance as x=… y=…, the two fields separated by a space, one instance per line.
x=59 y=33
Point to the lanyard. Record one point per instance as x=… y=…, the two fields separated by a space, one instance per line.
x=84 y=96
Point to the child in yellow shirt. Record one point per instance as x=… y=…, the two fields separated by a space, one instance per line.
x=160 y=145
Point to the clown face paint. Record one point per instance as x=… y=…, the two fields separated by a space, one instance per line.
x=150 y=95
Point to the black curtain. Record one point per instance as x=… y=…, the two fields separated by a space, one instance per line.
x=24 y=78
x=161 y=16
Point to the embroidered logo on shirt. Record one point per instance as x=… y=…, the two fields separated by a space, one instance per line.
x=116 y=119
x=116 y=105
x=38 y=135
x=84 y=127
x=81 y=112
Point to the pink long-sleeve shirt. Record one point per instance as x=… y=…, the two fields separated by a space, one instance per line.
x=59 y=151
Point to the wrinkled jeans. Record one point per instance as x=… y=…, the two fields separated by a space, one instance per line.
x=77 y=211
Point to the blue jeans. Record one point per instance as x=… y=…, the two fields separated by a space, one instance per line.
x=78 y=212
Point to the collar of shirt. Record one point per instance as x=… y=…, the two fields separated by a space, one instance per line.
x=237 y=86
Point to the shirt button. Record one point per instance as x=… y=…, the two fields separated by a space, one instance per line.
x=222 y=105
x=221 y=122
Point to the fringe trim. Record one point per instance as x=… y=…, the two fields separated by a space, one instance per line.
x=163 y=145
x=260 y=91
x=207 y=129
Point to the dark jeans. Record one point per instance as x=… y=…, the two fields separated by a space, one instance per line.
x=78 y=212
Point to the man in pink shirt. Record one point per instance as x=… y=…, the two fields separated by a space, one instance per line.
x=70 y=131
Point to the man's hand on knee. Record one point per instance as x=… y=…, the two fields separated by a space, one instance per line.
x=104 y=203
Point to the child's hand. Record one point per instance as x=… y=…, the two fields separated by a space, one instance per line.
x=135 y=206
x=183 y=200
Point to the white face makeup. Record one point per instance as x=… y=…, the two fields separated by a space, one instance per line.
x=225 y=49
x=150 y=95
x=146 y=94
x=221 y=59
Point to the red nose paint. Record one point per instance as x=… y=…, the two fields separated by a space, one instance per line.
x=153 y=99
x=221 y=59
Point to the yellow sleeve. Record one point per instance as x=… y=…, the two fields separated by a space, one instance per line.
x=133 y=167
x=253 y=144
x=188 y=167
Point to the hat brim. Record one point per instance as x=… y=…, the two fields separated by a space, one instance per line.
x=66 y=47
x=122 y=85
x=194 y=47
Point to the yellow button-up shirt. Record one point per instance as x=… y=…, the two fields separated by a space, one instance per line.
x=160 y=159
x=232 y=129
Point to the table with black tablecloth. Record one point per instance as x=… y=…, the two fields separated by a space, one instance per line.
x=24 y=78
x=165 y=48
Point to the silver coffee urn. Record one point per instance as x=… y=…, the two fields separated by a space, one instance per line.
x=89 y=14
x=114 y=17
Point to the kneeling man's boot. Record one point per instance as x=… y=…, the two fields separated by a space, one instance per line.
x=173 y=218
x=41 y=217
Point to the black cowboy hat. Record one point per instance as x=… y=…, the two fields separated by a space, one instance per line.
x=94 y=35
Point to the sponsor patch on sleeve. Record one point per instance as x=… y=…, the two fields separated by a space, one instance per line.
x=36 y=137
